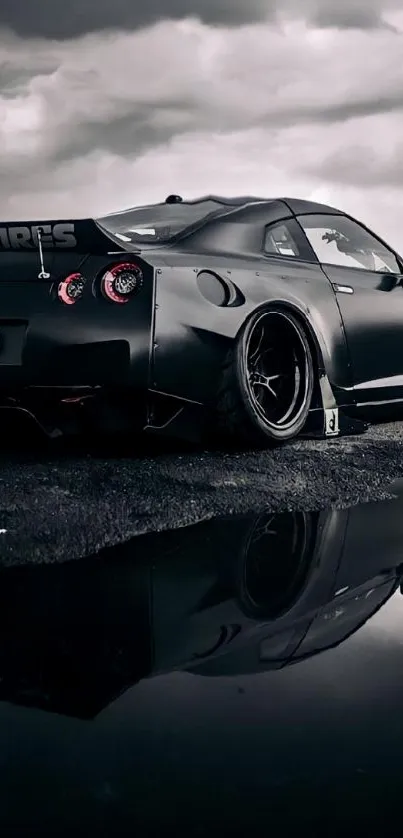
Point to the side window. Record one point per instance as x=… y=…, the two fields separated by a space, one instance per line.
x=285 y=238
x=338 y=240
x=279 y=240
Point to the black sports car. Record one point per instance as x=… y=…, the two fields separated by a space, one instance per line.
x=260 y=319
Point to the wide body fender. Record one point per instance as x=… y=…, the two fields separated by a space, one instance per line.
x=192 y=334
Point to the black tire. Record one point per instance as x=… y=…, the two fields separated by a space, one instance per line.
x=275 y=563
x=280 y=413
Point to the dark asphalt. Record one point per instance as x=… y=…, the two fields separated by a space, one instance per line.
x=63 y=502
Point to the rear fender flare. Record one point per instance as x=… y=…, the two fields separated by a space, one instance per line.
x=316 y=342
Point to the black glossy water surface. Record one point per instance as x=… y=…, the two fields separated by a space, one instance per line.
x=240 y=676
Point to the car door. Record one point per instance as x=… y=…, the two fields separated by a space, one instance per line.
x=290 y=260
x=366 y=277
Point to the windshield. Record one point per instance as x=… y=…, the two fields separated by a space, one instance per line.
x=158 y=223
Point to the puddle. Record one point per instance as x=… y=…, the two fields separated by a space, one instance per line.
x=229 y=596
x=193 y=678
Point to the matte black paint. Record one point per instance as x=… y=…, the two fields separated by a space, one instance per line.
x=373 y=321
x=185 y=320
x=171 y=337
x=147 y=690
x=81 y=345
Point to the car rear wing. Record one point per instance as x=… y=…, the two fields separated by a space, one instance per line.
x=82 y=235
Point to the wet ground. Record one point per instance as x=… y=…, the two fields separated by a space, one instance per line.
x=61 y=502
x=211 y=679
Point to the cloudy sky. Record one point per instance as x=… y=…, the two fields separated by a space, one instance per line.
x=109 y=103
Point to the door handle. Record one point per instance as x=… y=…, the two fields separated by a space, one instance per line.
x=342 y=289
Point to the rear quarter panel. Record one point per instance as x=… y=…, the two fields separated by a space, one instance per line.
x=192 y=335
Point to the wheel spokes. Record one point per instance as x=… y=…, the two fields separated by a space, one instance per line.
x=275 y=383
x=257 y=379
x=264 y=529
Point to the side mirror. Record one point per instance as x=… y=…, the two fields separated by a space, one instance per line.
x=389 y=282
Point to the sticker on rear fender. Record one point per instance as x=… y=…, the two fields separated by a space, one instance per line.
x=19 y=237
x=332 y=422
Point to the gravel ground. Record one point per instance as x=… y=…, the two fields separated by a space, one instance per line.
x=65 y=502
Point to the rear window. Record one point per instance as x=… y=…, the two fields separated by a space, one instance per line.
x=159 y=223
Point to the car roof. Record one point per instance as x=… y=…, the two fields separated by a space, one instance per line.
x=301 y=207
x=208 y=212
x=298 y=206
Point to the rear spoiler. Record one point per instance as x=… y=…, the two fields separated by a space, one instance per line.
x=83 y=236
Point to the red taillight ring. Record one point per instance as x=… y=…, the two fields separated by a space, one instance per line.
x=128 y=276
x=71 y=289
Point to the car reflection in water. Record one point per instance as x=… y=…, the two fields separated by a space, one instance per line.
x=225 y=597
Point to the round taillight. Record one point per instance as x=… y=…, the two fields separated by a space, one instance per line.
x=71 y=289
x=120 y=283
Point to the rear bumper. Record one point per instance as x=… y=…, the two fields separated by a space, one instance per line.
x=67 y=380
x=91 y=345
x=48 y=364
x=71 y=372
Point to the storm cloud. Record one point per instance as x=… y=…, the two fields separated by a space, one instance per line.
x=50 y=19
x=247 y=98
